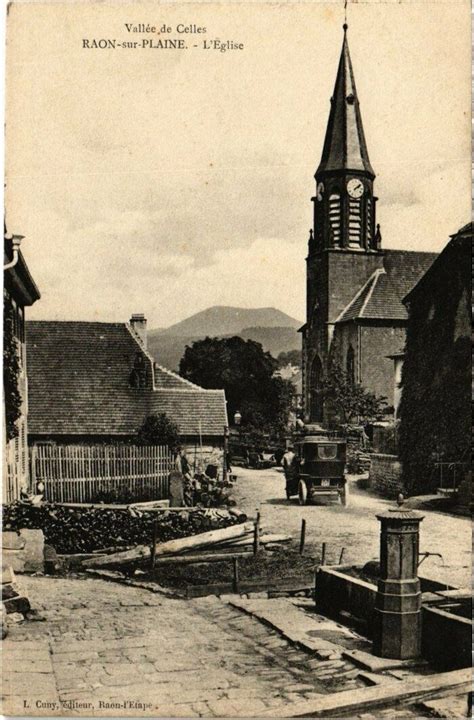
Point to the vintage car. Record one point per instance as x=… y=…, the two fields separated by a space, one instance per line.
x=320 y=464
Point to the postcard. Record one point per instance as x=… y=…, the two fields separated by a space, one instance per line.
x=236 y=348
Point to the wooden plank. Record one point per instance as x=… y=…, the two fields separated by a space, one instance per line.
x=202 y=539
x=142 y=552
x=202 y=558
x=113 y=506
x=270 y=586
x=412 y=690
x=263 y=540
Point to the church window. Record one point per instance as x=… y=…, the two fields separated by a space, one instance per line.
x=355 y=223
x=335 y=219
x=350 y=365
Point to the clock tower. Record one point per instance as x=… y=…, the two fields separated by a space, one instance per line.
x=344 y=244
x=344 y=204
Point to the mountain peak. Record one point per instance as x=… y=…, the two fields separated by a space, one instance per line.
x=221 y=320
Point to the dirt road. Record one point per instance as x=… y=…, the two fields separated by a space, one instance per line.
x=356 y=527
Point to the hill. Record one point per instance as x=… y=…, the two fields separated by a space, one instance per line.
x=276 y=334
x=223 y=320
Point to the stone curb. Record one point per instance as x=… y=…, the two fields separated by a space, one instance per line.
x=322 y=649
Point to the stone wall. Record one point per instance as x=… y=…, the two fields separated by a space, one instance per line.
x=386 y=475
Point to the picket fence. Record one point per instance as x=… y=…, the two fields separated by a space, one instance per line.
x=107 y=473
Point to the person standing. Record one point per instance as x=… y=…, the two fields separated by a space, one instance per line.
x=290 y=468
x=180 y=481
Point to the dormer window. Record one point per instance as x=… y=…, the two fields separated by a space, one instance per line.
x=138 y=376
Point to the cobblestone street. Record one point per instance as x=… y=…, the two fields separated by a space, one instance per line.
x=104 y=644
x=356 y=527
x=109 y=649
x=106 y=649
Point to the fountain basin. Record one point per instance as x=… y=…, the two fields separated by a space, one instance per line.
x=348 y=592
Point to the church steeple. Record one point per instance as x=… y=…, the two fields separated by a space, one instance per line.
x=344 y=213
x=344 y=146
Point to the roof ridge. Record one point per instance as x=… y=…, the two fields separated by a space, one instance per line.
x=356 y=296
x=377 y=273
x=195 y=389
x=76 y=322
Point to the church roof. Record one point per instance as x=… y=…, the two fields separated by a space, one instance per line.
x=381 y=297
x=344 y=146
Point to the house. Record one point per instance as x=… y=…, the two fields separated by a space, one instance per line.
x=435 y=408
x=355 y=288
x=93 y=382
x=19 y=292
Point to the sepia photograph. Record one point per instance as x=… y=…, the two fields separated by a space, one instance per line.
x=237 y=299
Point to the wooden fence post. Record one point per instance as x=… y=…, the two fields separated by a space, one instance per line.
x=303 y=535
x=256 y=534
x=235 y=583
x=33 y=454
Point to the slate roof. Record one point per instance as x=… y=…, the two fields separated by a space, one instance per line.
x=380 y=298
x=190 y=407
x=18 y=279
x=345 y=147
x=165 y=378
x=79 y=384
x=463 y=238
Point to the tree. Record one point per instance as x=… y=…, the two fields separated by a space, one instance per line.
x=159 y=430
x=246 y=372
x=292 y=357
x=11 y=373
x=350 y=399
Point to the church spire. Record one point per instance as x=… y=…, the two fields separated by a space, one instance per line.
x=344 y=204
x=344 y=146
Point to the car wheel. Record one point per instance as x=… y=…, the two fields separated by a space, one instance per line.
x=302 y=492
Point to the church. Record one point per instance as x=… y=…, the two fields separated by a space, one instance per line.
x=355 y=314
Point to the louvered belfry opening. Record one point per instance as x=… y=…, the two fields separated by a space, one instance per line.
x=344 y=212
x=335 y=219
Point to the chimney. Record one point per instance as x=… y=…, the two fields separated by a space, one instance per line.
x=138 y=323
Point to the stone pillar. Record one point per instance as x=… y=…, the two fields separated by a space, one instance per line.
x=397 y=617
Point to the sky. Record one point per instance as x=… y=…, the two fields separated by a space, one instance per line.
x=167 y=181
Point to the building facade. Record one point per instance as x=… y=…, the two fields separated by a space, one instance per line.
x=19 y=292
x=435 y=408
x=354 y=310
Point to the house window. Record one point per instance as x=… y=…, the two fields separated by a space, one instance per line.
x=335 y=220
x=350 y=365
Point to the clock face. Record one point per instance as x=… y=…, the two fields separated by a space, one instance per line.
x=355 y=188
x=320 y=191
